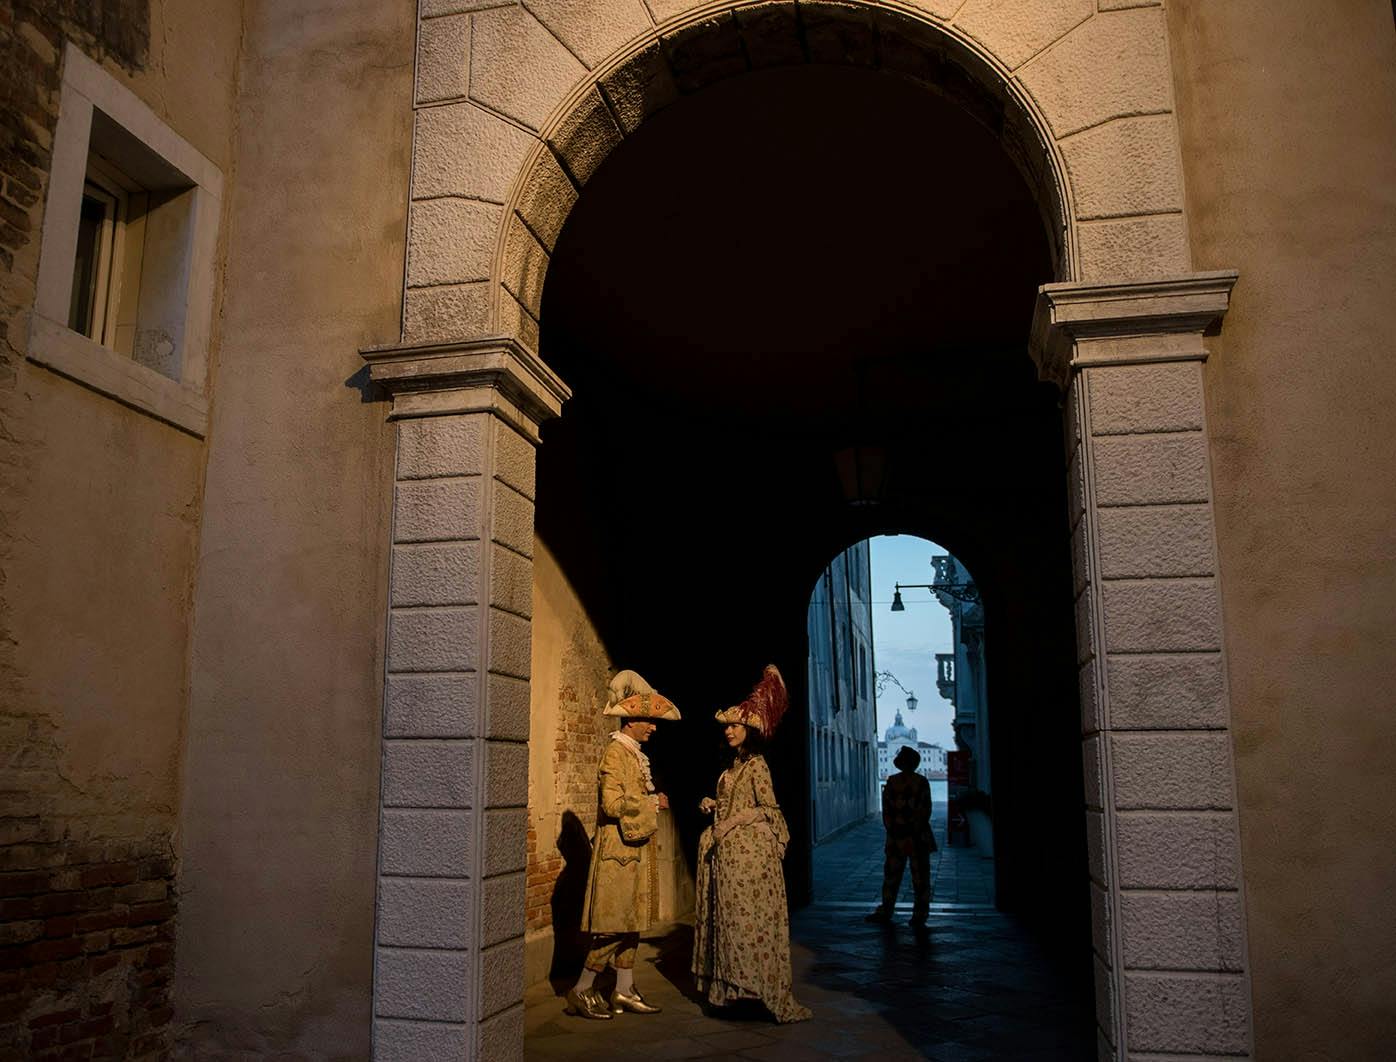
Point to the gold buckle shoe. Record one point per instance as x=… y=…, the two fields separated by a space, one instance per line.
x=588 y=1004
x=633 y=1002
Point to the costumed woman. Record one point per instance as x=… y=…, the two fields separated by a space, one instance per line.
x=741 y=948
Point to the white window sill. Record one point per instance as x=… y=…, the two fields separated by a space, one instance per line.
x=59 y=348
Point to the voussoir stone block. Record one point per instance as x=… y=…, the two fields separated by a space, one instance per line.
x=1134 y=399
x=1124 y=167
x=427 y=774
x=507 y=716
x=771 y=32
x=506 y=774
x=519 y=68
x=503 y=905
x=1176 y=850
x=437 y=510
x=515 y=321
x=463 y=150
x=411 y=1041
x=426 y=843
x=424 y=913
x=1171 y=770
x=587 y=134
x=704 y=53
x=546 y=198
x=506 y=846
x=438 y=573
x=1155 y=540
x=1174 y=1013
x=640 y=87
x=1150 y=469
x=514 y=459
x=502 y=976
x=1167 y=691
x=841 y=34
x=1181 y=930
x=443 y=58
x=1133 y=248
x=432 y=705
x=433 y=639
x=1111 y=66
x=525 y=265
x=431 y=447
x=1161 y=615
x=452 y=311
x=436 y=8
x=511 y=582
x=592 y=29
x=451 y=241
x=422 y=984
x=1016 y=30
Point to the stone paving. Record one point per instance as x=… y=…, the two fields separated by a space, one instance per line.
x=974 y=987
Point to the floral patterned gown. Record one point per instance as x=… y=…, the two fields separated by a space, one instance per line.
x=741 y=948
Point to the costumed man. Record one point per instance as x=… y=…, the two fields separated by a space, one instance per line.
x=622 y=894
x=906 y=816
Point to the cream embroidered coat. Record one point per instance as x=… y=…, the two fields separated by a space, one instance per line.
x=622 y=891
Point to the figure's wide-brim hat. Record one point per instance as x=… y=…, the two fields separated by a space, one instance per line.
x=907 y=756
x=644 y=706
x=765 y=706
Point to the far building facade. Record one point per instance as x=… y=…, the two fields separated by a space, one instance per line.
x=898 y=734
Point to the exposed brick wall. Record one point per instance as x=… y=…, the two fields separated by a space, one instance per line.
x=86 y=951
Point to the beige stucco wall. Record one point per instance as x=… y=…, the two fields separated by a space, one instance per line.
x=101 y=511
x=1287 y=111
x=279 y=819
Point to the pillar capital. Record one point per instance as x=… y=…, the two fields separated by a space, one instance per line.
x=495 y=374
x=1132 y=322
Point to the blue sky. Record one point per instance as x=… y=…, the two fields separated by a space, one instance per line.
x=905 y=643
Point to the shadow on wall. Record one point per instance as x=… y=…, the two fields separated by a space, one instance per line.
x=569 y=892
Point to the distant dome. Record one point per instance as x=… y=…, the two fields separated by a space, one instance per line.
x=900 y=732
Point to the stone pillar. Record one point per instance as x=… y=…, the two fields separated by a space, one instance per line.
x=448 y=954
x=1169 y=922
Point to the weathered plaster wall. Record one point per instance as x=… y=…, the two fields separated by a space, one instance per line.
x=280 y=811
x=98 y=536
x=1287 y=113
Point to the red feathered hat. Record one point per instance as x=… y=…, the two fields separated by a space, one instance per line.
x=764 y=708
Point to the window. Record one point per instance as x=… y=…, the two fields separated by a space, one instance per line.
x=125 y=291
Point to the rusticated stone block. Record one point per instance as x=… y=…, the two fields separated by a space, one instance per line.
x=1111 y=66
x=1125 y=167
x=1093 y=763
x=1161 y=615
x=436 y=573
x=592 y=29
x=436 y=8
x=425 y=843
x=505 y=850
x=640 y=87
x=516 y=321
x=1080 y=559
x=1177 y=850
x=525 y=265
x=1172 y=770
x=1085 y=629
x=422 y=913
x=1163 y=541
x=502 y=976
x=507 y=714
x=503 y=912
x=587 y=134
x=1102 y=924
x=511 y=582
x=433 y=639
x=513 y=520
x=431 y=706
x=1181 y=930
x=514 y=459
x=1133 y=248
x=1075 y=489
x=517 y=67
x=443 y=58
x=704 y=53
x=502 y=1036
x=1185 y=1014
x=771 y=34
x=462 y=150
x=1016 y=30
x=839 y=34
x=427 y=773
x=451 y=241
x=1150 y=469
x=547 y=197
x=511 y=645
x=1096 y=847
x=1105 y=1001
x=429 y=447
x=422 y=984
x=412 y=1041
x=437 y=510
x=453 y=311
x=1167 y=691
x=506 y=774
x=1091 y=720
x=1135 y=399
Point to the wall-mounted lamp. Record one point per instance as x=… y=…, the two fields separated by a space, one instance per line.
x=966 y=592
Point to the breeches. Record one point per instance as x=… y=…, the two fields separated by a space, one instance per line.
x=615 y=949
x=892 y=868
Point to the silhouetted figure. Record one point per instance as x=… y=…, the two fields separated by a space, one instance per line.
x=569 y=893
x=906 y=816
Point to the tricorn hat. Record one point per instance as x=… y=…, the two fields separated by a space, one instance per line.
x=631 y=697
x=907 y=759
x=764 y=707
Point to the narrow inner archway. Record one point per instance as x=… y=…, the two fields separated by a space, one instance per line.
x=771 y=275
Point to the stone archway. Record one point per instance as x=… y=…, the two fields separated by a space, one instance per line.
x=517 y=107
